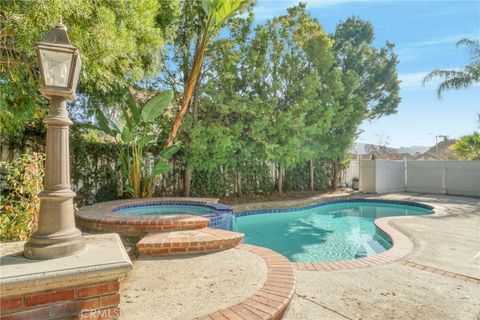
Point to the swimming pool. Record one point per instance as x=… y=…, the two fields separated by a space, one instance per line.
x=324 y=232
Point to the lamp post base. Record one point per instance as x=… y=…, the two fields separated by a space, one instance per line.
x=51 y=247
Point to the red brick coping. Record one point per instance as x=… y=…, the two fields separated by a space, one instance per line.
x=189 y=241
x=402 y=246
x=102 y=218
x=272 y=300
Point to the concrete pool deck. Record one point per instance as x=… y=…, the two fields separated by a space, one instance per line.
x=187 y=287
x=449 y=241
x=436 y=280
x=246 y=282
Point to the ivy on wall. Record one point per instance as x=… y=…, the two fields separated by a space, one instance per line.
x=95 y=170
x=20 y=182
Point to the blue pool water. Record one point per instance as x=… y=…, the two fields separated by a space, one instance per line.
x=330 y=232
x=166 y=209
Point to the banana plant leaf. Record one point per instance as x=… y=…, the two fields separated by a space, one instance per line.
x=169 y=151
x=161 y=167
x=220 y=10
x=155 y=106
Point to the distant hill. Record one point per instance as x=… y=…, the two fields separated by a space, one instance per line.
x=413 y=149
x=364 y=148
x=411 y=152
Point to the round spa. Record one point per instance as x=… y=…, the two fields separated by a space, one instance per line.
x=135 y=217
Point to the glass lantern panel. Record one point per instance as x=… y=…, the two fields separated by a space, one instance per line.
x=56 y=67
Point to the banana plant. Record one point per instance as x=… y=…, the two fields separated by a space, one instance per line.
x=215 y=12
x=135 y=132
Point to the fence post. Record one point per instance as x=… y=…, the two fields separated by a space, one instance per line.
x=360 y=187
x=444 y=178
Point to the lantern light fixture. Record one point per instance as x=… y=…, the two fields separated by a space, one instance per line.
x=60 y=64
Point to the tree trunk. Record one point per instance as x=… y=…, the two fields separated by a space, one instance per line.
x=191 y=84
x=239 y=184
x=187 y=180
x=187 y=175
x=312 y=176
x=280 y=179
x=335 y=176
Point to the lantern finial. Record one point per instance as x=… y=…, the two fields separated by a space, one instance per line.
x=60 y=25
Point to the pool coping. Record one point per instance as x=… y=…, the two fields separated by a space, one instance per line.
x=402 y=245
x=102 y=217
x=271 y=301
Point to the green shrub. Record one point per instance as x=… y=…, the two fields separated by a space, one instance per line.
x=20 y=182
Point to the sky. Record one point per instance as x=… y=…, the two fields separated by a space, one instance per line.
x=424 y=34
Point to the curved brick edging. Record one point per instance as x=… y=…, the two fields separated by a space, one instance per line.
x=401 y=244
x=102 y=217
x=273 y=299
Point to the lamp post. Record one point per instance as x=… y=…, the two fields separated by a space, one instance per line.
x=60 y=66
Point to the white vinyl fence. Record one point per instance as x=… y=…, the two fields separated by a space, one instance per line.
x=447 y=177
x=352 y=171
x=382 y=176
x=443 y=177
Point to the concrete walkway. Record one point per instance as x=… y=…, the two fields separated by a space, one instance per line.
x=448 y=241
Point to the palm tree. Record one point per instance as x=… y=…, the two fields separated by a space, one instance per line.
x=468 y=146
x=463 y=78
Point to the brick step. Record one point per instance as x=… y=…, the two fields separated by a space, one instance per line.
x=188 y=241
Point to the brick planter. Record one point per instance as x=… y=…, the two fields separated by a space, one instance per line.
x=96 y=301
x=80 y=286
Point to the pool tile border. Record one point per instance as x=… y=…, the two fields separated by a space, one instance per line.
x=326 y=203
x=273 y=298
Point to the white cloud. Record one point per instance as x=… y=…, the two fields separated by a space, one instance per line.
x=452 y=39
x=414 y=81
x=433 y=14
x=414 y=50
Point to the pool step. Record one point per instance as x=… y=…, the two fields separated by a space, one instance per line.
x=188 y=241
